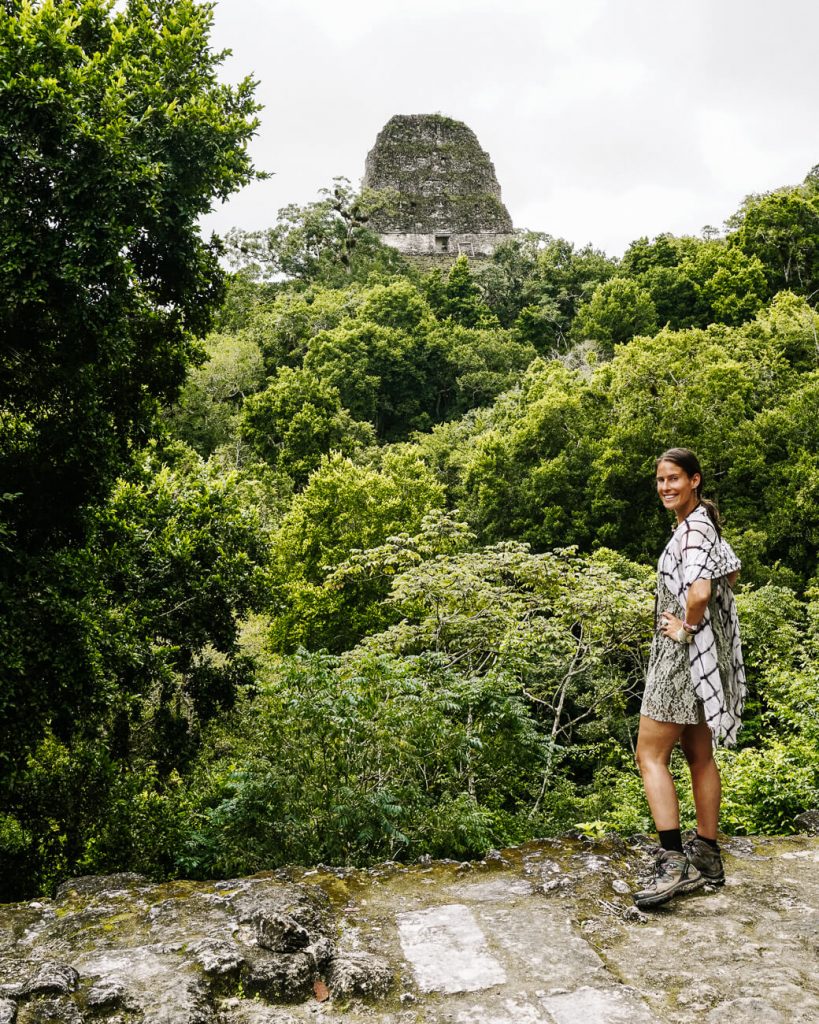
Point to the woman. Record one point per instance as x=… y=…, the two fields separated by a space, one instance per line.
x=695 y=683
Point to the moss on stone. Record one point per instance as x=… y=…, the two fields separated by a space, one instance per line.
x=445 y=180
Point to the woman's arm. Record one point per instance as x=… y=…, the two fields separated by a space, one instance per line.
x=699 y=594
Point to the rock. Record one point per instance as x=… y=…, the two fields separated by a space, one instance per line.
x=808 y=822
x=621 y=887
x=635 y=914
x=448 y=950
x=359 y=974
x=51 y=977
x=279 y=977
x=218 y=958
x=61 y=1010
x=321 y=952
x=106 y=994
x=469 y=948
x=555 y=885
x=612 y=1006
x=280 y=933
x=749 y=1011
x=495 y=859
x=96 y=885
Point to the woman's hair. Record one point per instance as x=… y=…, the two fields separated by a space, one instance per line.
x=690 y=464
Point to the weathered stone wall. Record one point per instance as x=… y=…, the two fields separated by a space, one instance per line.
x=479 y=243
x=445 y=184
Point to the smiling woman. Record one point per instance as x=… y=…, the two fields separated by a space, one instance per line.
x=695 y=683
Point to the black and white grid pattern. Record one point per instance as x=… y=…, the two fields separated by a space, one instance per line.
x=696 y=552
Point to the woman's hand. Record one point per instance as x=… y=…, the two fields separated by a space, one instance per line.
x=670 y=625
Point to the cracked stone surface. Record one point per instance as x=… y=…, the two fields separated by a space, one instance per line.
x=542 y=934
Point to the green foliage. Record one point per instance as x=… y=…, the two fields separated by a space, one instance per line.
x=283 y=328
x=459 y=297
x=482 y=364
x=344 y=507
x=137 y=636
x=326 y=242
x=694 y=283
x=84 y=814
x=700 y=389
x=617 y=311
x=207 y=413
x=297 y=419
x=665 y=252
x=397 y=366
x=285 y=590
x=766 y=788
x=117 y=137
x=525 y=476
x=730 y=286
x=781 y=229
x=394 y=757
x=536 y=283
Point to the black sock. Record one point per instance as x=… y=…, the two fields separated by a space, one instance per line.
x=671 y=839
x=711 y=842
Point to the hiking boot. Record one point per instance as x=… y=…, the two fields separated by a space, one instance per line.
x=706 y=860
x=673 y=874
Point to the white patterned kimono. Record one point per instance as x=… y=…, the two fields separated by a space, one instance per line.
x=696 y=552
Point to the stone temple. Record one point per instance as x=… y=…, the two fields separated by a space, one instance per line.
x=448 y=198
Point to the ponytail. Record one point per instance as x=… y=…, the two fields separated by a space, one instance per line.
x=713 y=512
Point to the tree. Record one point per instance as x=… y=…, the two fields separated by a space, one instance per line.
x=665 y=251
x=388 y=363
x=703 y=389
x=344 y=507
x=564 y=279
x=660 y=267
x=207 y=412
x=781 y=228
x=327 y=241
x=504 y=277
x=460 y=299
x=617 y=311
x=694 y=283
x=731 y=285
x=145 y=652
x=283 y=328
x=297 y=419
x=117 y=137
x=525 y=476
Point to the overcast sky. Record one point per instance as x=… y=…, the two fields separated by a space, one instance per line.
x=605 y=120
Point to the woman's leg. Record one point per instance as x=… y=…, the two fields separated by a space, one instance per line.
x=698 y=748
x=655 y=742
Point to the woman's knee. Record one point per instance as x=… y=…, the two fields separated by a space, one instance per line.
x=648 y=756
x=698 y=748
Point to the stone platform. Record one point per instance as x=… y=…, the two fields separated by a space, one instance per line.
x=543 y=933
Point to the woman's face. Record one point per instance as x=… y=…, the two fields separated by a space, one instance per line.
x=677 y=490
